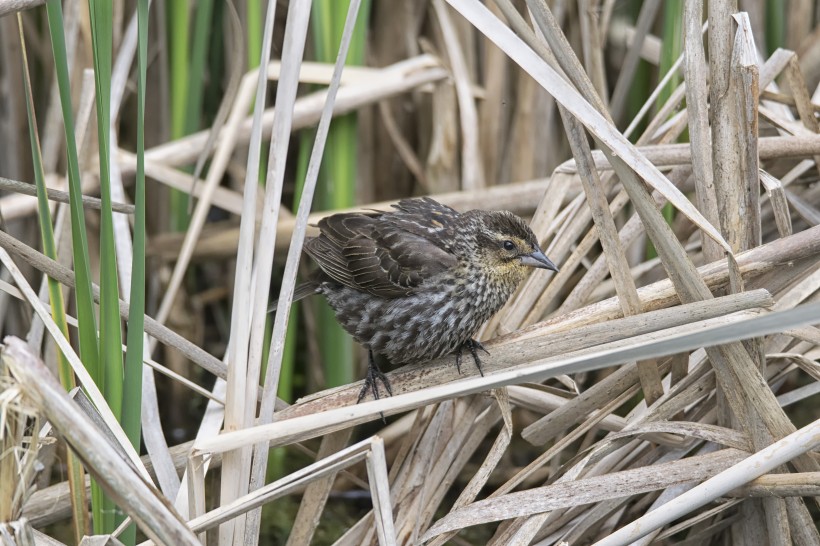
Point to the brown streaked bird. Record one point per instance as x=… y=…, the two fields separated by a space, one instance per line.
x=416 y=283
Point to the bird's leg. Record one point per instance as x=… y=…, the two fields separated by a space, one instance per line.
x=458 y=358
x=474 y=346
x=374 y=374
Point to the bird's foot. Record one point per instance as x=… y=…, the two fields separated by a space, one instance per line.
x=474 y=346
x=370 y=384
x=374 y=375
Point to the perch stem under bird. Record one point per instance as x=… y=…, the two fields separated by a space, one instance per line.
x=416 y=283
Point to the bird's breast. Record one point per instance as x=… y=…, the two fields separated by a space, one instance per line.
x=483 y=293
x=427 y=324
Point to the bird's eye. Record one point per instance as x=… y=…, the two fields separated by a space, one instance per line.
x=508 y=245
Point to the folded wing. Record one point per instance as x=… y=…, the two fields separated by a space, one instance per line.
x=386 y=254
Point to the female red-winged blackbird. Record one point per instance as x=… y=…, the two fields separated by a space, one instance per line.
x=416 y=283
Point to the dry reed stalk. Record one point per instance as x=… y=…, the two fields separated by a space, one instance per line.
x=603 y=450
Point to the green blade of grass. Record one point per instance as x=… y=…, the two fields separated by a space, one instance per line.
x=110 y=347
x=671 y=46
x=76 y=482
x=86 y=317
x=253 y=20
x=775 y=26
x=179 y=31
x=132 y=375
x=110 y=344
x=85 y=303
x=132 y=396
x=199 y=56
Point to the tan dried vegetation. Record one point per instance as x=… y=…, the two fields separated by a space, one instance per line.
x=627 y=399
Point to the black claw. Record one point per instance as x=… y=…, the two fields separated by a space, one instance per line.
x=363 y=392
x=474 y=346
x=374 y=375
x=479 y=346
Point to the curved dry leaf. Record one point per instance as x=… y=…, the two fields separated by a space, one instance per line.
x=703 y=431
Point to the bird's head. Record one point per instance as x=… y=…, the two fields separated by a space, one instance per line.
x=506 y=245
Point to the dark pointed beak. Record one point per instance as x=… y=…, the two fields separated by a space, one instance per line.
x=538 y=259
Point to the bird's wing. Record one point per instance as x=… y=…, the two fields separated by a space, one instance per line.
x=394 y=262
x=425 y=217
x=376 y=254
x=424 y=206
x=330 y=259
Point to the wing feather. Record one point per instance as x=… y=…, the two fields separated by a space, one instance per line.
x=387 y=254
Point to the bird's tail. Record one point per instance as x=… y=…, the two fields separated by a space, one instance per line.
x=302 y=291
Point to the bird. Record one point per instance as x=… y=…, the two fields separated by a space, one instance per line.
x=417 y=282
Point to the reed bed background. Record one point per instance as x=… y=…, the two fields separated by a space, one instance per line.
x=660 y=389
